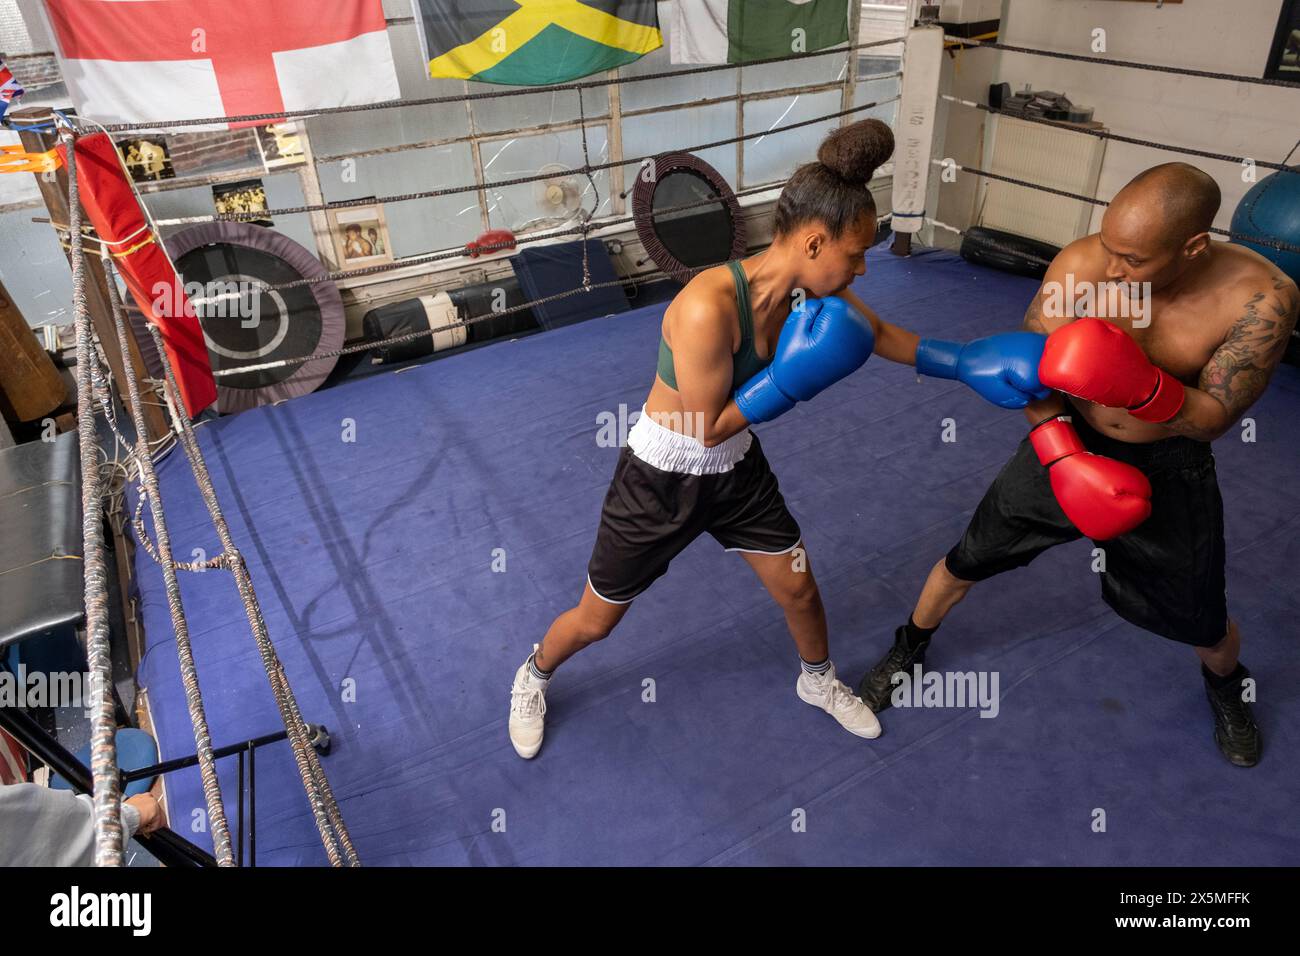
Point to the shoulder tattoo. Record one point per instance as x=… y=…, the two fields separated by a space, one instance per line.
x=1239 y=370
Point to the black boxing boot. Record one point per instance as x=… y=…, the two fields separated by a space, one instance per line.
x=1234 y=727
x=909 y=647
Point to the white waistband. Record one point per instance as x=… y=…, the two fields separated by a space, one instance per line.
x=669 y=450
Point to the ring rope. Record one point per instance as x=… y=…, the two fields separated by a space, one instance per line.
x=315 y=784
x=1234 y=236
x=329 y=821
x=370 y=344
x=425 y=333
x=461 y=251
x=203 y=750
x=1107 y=61
x=584 y=217
x=411 y=336
x=587 y=168
x=106 y=794
x=1106 y=134
x=334 y=834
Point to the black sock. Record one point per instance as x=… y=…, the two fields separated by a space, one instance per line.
x=915 y=636
x=1217 y=682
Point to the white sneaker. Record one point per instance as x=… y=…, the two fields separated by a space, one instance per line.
x=834 y=697
x=527 y=712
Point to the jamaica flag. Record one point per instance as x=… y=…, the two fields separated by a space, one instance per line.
x=533 y=42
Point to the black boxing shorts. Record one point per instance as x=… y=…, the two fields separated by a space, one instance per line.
x=1166 y=575
x=667 y=490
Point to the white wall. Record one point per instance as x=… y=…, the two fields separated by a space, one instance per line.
x=1227 y=36
x=959 y=136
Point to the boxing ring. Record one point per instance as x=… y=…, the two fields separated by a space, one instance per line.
x=411 y=532
x=374 y=561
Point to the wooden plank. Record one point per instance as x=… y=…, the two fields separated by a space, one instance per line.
x=30 y=386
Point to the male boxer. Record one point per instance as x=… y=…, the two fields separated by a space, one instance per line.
x=1121 y=453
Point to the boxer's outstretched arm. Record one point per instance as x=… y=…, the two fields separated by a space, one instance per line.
x=1241 y=367
x=1001 y=368
x=892 y=342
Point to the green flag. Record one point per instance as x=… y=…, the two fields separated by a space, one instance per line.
x=741 y=31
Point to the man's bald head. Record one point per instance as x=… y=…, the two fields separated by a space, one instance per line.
x=1169 y=204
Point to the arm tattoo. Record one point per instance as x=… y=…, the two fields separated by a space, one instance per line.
x=1240 y=369
x=1034 y=317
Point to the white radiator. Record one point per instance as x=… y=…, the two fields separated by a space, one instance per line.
x=1062 y=159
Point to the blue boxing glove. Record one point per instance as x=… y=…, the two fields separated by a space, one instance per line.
x=1001 y=368
x=821 y=342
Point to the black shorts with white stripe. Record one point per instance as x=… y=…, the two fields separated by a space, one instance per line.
x=651 y=515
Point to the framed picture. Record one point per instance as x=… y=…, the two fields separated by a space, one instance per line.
x=248 y=195
x=281 y=145
x=147 y=158
x=1284 y=54
x=360 y=236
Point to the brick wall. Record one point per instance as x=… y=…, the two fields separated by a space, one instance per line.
x=194 y=154
x=14 y=37
x=35 y=72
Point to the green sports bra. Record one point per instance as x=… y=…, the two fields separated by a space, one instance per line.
x=745 y=363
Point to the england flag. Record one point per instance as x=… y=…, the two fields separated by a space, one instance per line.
x=136 y=61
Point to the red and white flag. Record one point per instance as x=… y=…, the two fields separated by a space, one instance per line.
x=136 y=61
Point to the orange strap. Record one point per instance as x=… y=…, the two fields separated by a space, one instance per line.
x=13 y=159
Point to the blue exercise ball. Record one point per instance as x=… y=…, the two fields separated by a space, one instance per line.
x=135 y=751
x=1271 y=210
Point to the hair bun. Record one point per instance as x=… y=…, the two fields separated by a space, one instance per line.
x=854 y=152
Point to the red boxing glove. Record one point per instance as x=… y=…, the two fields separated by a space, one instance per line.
x=1095 y=360
x=494 y=240
x=1102 y=497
